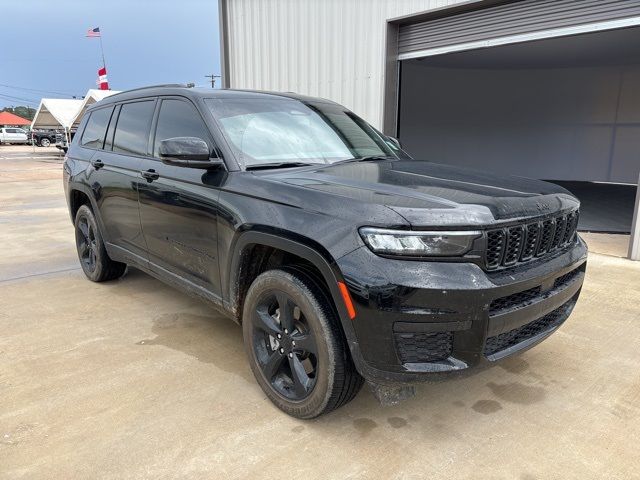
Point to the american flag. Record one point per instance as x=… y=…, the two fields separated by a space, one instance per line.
x=93 y=32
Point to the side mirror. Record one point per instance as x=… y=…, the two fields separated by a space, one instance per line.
x=394 y=142
x=190 y=152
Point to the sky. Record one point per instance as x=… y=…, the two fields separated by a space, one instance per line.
x=146 y=42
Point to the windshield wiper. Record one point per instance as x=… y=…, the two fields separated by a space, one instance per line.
x=265 y=166
x=369 y=158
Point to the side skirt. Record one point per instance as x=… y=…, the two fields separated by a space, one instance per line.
x=123 y=255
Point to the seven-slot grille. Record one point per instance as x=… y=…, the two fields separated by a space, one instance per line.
x=511 y=245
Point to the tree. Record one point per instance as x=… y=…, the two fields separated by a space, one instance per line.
x=21 y=111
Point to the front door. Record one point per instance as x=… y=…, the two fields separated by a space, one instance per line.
x=179 y=205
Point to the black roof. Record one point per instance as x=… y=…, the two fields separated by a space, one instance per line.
x=177 y=89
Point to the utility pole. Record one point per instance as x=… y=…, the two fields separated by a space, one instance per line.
x=213 y=79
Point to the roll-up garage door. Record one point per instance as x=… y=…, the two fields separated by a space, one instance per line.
x=510 y=20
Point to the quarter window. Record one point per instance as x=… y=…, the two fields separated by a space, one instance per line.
x=94 y=132
x=132 y=130
x=179 y=119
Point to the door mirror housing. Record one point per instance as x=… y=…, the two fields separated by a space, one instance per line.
x=192 y=152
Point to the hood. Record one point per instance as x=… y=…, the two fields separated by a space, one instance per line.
x=428 y=194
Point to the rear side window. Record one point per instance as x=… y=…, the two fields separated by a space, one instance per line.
x=132 y=130
x=96 y=129
x=179 y=119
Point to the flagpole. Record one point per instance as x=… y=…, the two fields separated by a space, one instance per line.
x=93 y=33
x=104 y=64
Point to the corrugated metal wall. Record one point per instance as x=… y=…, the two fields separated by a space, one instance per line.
x=326 y=48
x=512 y=19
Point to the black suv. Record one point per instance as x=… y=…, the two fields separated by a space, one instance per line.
x=342 y=257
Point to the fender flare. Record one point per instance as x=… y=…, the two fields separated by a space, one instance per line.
x=323 y=262
x=81 y=187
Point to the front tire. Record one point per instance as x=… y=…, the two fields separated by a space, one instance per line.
x=295 y=345
x=45 y=142
x=94 y=260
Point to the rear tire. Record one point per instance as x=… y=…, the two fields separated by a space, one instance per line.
x=94 y=260
x=295 y=345
x=45 y=142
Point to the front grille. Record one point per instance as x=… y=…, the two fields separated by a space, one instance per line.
x=527 y=297
x=532 y=234
x=509 y=246
x=495 y=248
x=566 y=279
x=519 y=300
x=514 y=245
x=500 y=342
x=423 y=347
x=546 y=237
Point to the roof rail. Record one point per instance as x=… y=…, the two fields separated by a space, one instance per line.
x=165 y=85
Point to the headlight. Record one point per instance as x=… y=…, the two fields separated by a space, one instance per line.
x=418 y=244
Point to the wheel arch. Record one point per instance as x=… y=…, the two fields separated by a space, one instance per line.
x=80 y=194
x=292 y=244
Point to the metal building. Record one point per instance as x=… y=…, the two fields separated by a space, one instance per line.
x=541 y=88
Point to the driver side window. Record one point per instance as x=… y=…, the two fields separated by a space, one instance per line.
x=178 y=118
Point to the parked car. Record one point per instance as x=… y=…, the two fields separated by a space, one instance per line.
x=43 y=138
x=341 y=256
x=13 y=135
x=61 y=140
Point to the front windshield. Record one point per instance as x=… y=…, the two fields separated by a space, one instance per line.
x=283 y=130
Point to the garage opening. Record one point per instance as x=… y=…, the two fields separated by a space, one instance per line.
x=564 y=109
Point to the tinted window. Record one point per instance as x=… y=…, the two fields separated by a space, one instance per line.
x=280 y=130
x=94 y=132
x=108 y=142
x=132 y=131
x=179 y=119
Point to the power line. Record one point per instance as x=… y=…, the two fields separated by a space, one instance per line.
x=36 y=90
x=18 y=99
x=15 y=103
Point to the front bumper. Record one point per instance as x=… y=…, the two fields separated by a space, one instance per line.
x=415 y=320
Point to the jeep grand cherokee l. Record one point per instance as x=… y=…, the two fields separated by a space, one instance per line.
x=342 y=258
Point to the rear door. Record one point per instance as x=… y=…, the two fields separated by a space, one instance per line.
x=179 y=205
x=14 y=135
x=115 y=167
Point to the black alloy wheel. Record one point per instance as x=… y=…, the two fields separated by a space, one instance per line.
x=284 y=346
x=87 y=246
x=94 y=260
x=295 y=344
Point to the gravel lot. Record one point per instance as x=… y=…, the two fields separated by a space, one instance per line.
x=132 y=379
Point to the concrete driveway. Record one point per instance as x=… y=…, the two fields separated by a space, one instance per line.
x=131 y=379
